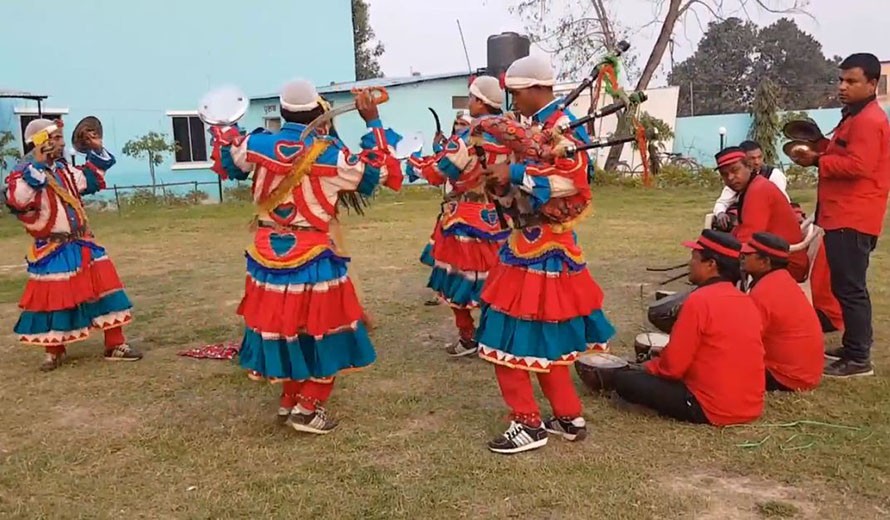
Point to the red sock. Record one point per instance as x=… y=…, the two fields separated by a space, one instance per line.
x=114 y=338
x=560 y=391
x=516 y=387
x=289 y=392
x=464 y=321
x=314 y=394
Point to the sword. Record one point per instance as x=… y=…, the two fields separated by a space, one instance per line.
x=438 y=123
x=378 y=94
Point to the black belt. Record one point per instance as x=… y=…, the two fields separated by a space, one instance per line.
x=66 y=237
x=272 y=225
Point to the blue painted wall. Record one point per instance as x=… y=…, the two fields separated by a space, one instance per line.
x=129 y=62
x=699 y=137
x=406 y=112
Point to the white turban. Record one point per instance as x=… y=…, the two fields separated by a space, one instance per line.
x=487 y=89
x=39 y=125
x=531 y=71
x=298 y=96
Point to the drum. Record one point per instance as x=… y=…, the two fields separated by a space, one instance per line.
x=596 y=370
x=663 y=313
x=649 y=345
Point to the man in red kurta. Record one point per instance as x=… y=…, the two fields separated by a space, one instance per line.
x=854 y=181
x=762 y=207
x=792 y=334
x=711 y=370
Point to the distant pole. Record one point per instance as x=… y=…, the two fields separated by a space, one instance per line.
x=219 y=180
x=691 y=100
x=464 y=43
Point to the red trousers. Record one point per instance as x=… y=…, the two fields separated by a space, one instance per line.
x=113 y=338
x=558 y=387
x=465 y=324
x=308 y=394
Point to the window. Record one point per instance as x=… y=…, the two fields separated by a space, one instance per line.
x=191 y=136
x=882 y=85
x=26 y=115
x=460 y=102
x=273 y=124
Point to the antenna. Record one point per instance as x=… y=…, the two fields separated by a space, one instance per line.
x=464 y=43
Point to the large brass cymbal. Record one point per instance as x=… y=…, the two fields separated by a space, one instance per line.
x=82 y=130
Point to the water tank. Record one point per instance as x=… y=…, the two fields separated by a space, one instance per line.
x=504 y=49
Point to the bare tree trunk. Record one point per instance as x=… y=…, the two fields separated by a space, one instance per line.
x=151 y=170
x=675 y=9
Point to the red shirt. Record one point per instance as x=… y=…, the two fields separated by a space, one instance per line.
x=764 y=208
x=854 y=173
x=716 y=350
x=792 y=334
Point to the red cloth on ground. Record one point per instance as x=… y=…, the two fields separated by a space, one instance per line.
x=764 y=208
x=792 y=335
x=854 y=173
x=716 y=350
x=557 y=385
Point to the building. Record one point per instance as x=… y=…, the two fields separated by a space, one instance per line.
x=884 y=84
x=407 y=111
x=143 y=66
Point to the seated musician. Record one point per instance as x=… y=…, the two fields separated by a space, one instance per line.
x=762 y=207
x=711 y=370
x=727 y=204
x=792 y=334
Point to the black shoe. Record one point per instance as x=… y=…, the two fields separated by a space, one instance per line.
x=574 y=430
x=316 y=422
x=462 y=348
x=845 y=368
x=519 y=438
x=835 y=354
x=122 y=353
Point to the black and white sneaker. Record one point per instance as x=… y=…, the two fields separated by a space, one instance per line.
x=462 y=348
x=519 y=438
x=844 y=368
x=122 y=353
x=316 y=422
x=574 y=430
x=283 y=414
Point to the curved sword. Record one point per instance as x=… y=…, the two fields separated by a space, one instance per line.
x=378 y=94
x=438 y=123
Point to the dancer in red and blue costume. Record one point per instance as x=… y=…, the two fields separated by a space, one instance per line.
x=541 y=307
x=73 y=287
x=303 y=321
x=470 y=233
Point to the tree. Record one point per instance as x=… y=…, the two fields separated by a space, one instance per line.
x=7 y=151
x=716 y=79
x=766 y=126
x=366 y=50
x=154 y=147
x=669 y=14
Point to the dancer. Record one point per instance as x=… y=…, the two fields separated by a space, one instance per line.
x=469 y=232
x=541 y=308
x=303 y=321
x=73 y=286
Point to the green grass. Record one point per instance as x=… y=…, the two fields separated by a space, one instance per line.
x=171 y=437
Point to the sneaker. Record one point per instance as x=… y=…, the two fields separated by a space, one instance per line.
x=834 y=354
x=122 y=353
x=462 y=348
x=843 y=368
x=283 y=414
x=52 y=362
x=519 y=438
x=314 y=422
x=574 y=430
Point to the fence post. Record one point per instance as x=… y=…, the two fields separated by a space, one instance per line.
x=219 y=181
x=117 y=200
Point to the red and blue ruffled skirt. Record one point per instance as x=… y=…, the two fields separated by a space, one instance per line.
x=73 y=287
x=302 y=317
x=464 y=251
x=426 y=256
x=541 y=307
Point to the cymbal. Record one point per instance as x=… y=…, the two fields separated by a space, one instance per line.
x=79 y=135
x=803 y=130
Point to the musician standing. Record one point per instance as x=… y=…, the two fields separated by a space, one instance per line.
x=792 y=334
x=854 y=180
x=541 y=308
x=729 y=198
x=470 y=233
x=73 y=286
x=712 y=370
x=303 y=321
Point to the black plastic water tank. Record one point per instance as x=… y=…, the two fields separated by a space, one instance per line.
x=504 y=49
